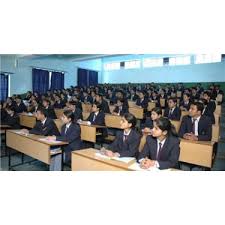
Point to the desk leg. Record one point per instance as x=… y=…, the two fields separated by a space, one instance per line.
x=9 y=164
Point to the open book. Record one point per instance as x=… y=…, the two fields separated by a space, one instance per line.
x=49 y=141
x=136 y=166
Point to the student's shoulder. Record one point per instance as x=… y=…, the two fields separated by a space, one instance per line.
x=135 y=133
x=150 y=139
x=174 y=139
x=186 y=118
x=206 y=119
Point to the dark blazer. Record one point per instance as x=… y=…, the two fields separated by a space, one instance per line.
x=148 y=123
x=209 y=111
x=133 y=97
x=20 y=108
x=99 y=120
x=128 y=148
x=122 y=112
x=78 y=114
x=51 y=112
x=204 y=128
x=143 y=104
x=87 y=99
x=72 y=136
x=174 y=116
x=186 y=106
x=169 y=154
x=59 y=105
x=105 y=106
x=12 y=121
x=3 y=115
x=78 y=105
x=48 y=129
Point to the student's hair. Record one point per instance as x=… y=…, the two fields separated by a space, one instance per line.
x=47 y=100
x=173 y=99
x=69 y=114
x=98 y=105
x=164 y=124
x=207 y=93
x=199 y=105
x=72 y=103
x=130 y=118
x=18 y=97
x=43 y=111
x=158 y=110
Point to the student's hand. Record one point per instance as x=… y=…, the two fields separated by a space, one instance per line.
x=187 y=136
x=103 y=150
x=109 y=153
x=147 y=163
x=192 y=137
x=25 y=131
x=147 y=130
x=51 y=138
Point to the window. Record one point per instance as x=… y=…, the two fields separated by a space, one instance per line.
x=150 y=62
x=207 y=58
x=112 y=66
x=180 y=60
x=132 y=64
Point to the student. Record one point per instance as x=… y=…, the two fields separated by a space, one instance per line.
x=34 y=106
x=172 y=112
x=12 y=119
x=19 y=106
x=86 y=98
x=97 y=117
x=3 y=113
x=104 y=103
x=44 y=126
x=210 y=106
x=186 y=103
x=49 y=109
x=162 y=149
x=76 y=111
x=127 y=141
x=196 y=126
x=142 y=101
x=156 y=113
x=59 y=104
x=194 y=95
x=120 y=109
x=70 y=132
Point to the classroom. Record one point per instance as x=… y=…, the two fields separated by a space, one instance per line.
x=108 y=112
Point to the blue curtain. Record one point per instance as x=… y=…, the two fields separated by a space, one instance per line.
x=57 y=80
x=86 y=77
x=4 y=87
x=93 y=78
x=40 y=80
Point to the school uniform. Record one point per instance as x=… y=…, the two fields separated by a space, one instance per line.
x=166 y=153
x=20 y=108
x=172 y=114
x=51 y=112
x=77 y=114
x=13 y=121
x=201 y=127
x=87 y=99
x=33 y=109
x=97 y=118
x=70 y=133
x=105 y=107
x=143 y=103
x=3 y=115
x=126 y=144
x=209 y=111
x=46 y=128
x=148 y=123
x=120 y=110
x=59 y=105
x=186 y=105
x=133 y=97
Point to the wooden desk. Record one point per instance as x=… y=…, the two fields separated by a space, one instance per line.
x=113 y=121
x=179 y=93
x=59 y=113
x=89 y=132
x=184 y=113
x=151 y=105
x=30 y=145
x=218 y=110
x=196 y=152
x=131 y=104
x=59 y=124
x=137 y=112
x=217 y=119
x=86 y=107
x=176 y=124
x=111 y=108
x=27 y=120
x=215 y=133
x=85 y=160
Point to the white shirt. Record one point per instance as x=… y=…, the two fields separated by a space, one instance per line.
x=126 y=134
x=43 y=122
x=196 y=125
x=67 y=127
x=171 y=111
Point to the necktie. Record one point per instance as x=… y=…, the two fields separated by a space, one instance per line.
x=94 y=117
x=125 y=137
x=159 y=151
x=170 y=112
x=66 y=129
x=193 y=126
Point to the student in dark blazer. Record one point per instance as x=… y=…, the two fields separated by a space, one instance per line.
x=210 y=106
x=104 y=103
x=172 y=112
x=86 y=98
x=76 y=111
x=49 y=109
x=156 y=113
x=196 y=126
x=34 y=106
x=97 y=117
x=162 y=149
x=127 y=141
x=59 y=104
x=12 y=119
x=44 y=125
x=19 y=106
x=186 y=103
x=142 y=101
x=71 y=133
x=120 y=109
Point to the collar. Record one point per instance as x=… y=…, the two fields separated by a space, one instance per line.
x=162 y=142
x=43 y=122
x=196 y=119
x=124 y=133
x=68 y=125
